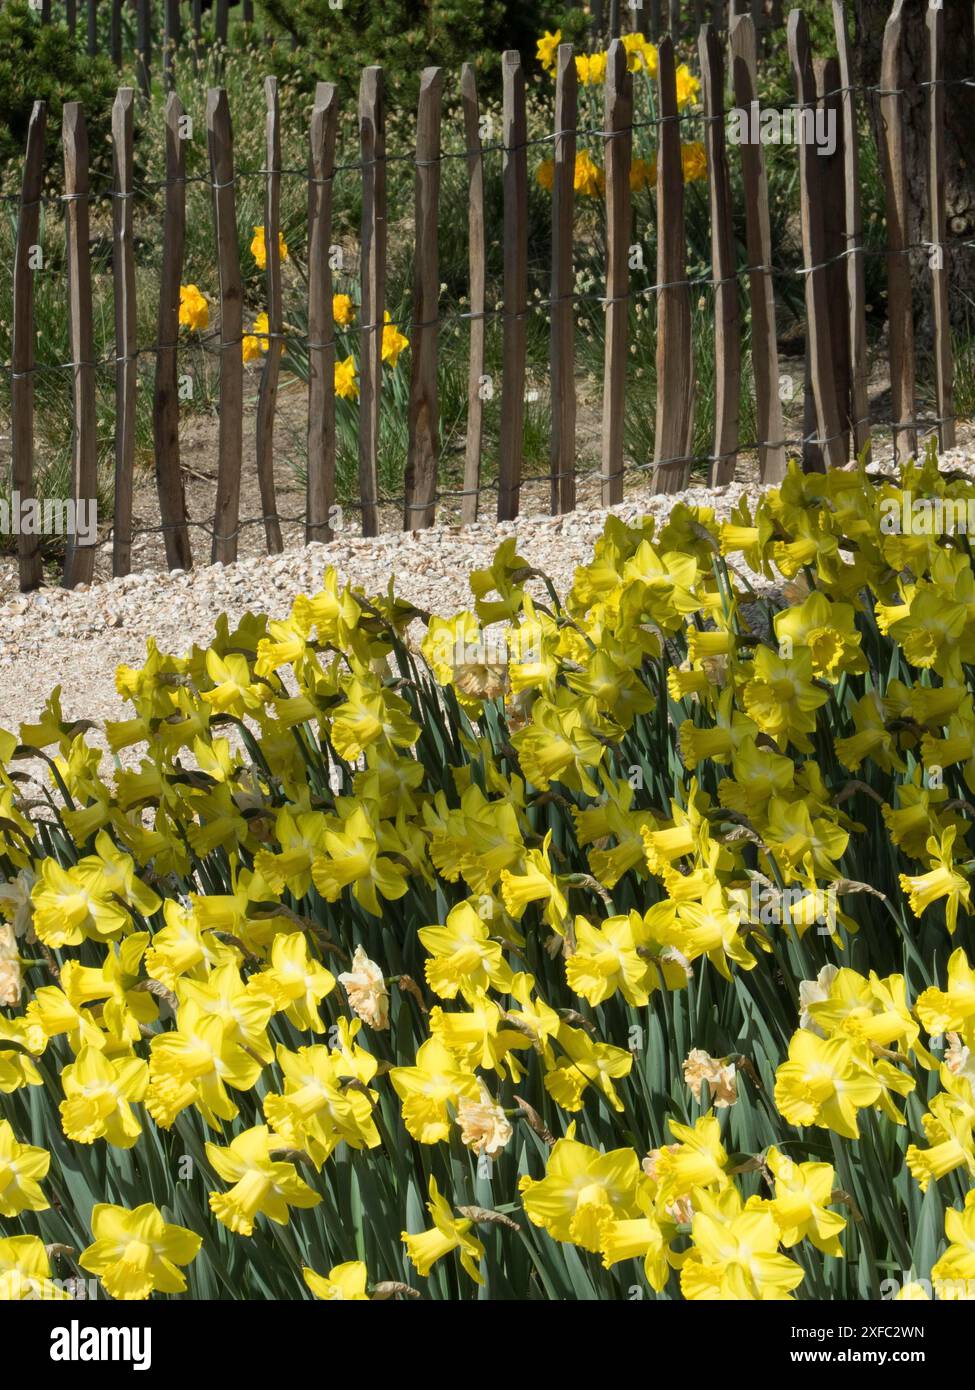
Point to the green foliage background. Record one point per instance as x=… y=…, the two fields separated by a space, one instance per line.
x=407 y=35
x=44 y=63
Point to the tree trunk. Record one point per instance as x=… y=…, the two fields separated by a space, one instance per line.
x=959 y=62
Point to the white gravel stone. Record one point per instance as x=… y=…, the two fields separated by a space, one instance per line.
x=77 y=639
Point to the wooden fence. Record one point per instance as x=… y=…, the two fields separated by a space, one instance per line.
x=833 y=253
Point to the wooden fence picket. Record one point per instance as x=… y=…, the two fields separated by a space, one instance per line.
x=675 y=349
x=267 y=396
x=115 y=33
x=79 y=560
x=126 y=343
x=561 y=352
x=618 y=125
x=372 y=145
x=761 y=292
x=220 y=146
x=422 y=423
x=827 y=81
x=856 y=295
x=477 y=262
x=818 y=338
x=165 y=405
x=944 y=365
x=172 y=34
x=22 y=343
x=221 y=17
x=727 y=314
x=144 y=65
x=896 y=200
x=320 y=496
x=515 y=324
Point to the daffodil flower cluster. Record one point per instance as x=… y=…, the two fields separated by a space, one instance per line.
x=636 y=922
x=589 y=178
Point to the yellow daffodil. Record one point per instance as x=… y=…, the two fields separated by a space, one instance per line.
x=942 y=881
x=582 y=1191
x=696 y=1159
x=949 y=1126
x=735 y=1255
x=194 y=311
x=346 y=386
x=640 y=55
x=693 y=161
x=782 y=699
x=261 y=1185
x=591 y=69
x=193 y=1064
x=22 y=1167
x=136 y=1252
x=259 y=247
x=426 y=1089
x=688 y=87
x=825 y=1082
x=393 y=341
x=803 y=1191
x=605 y=960
x=24 y=1038
x=447 y=1234
x=953 y=1274
x=99 y=1092
x=343 y=310
x=547 y=49
x=643 y=173
x=295 y=981
x=589 y=180
x=951 y=1009
x=255 y=343
x=352 y=858
x=587 y=1063
x=345 y=1283
x=464 y=957
x=25 y=1271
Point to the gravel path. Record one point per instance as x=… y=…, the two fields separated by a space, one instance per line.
x=77 y=639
